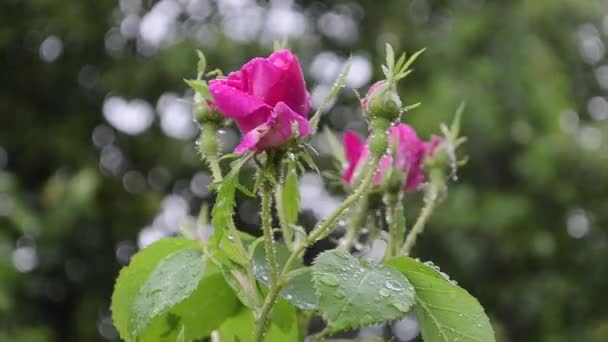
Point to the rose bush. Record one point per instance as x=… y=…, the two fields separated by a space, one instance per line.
x=265 y=98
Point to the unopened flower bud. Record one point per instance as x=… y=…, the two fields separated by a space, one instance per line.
x=205 y=111
x=382 y=101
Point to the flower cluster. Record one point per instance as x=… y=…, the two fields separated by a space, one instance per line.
x=268 y=100
x=408 y=153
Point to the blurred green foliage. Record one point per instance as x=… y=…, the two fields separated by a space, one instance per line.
x=524 y=228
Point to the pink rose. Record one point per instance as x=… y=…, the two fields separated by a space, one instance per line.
x=409 y=152
x=265 y=98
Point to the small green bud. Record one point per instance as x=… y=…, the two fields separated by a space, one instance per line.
x=205 y=111
x=382 y=101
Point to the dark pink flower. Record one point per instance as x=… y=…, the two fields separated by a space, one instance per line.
x=265 y=98
x=409 y=153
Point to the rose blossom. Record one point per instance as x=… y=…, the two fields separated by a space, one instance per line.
x=265 y=98
x=409 y=152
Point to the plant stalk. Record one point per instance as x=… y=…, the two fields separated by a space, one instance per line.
x=269 y=243
x=285 y=229
x=431 y=200
x=356 y=224
x=396 y=224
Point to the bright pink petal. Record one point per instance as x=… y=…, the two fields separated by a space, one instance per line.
x=258 y=77
x=353 y=149
x=281 y=126
x=409 y=152
x=233 y=102
x=291 y=87
x=250 y=140
x=353 y=146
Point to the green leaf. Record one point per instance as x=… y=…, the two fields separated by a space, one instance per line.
x=291 y=194
x=201 y=87
x=133 y=276
x=336 y=147
x=353 y=293
x=201 y=65
x=446 y=312
x=390 y=57
x=299 y=291
x=221 y=214
x=239 y=328
x=173 y=305
x=185 y=278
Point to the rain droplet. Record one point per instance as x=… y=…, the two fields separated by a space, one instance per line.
x=403 y=307
x=393 y=285
x=339 y=294
x=384 y=293
x=329 y=279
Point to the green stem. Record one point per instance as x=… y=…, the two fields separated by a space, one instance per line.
x=356 y=224
x=216 y=171
x=266 y=215
x=260 y=325
x=431 y=199
x=285 y=229
x=396 y=224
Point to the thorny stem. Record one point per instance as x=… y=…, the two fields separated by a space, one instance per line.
x=356 y=224
x=266 y=215
x=285 y=229
x=276 y=283
x=396 y=224
x=216 y=171
x=260 y=325
x=431 y=200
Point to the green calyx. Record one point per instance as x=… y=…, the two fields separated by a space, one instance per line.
x=204 y=112
x=385 y=102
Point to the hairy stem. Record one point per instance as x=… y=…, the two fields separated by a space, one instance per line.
x=285 y=229
x=266 y=215
x=431 y=199
x=396 y=224
x=214 y=165
x=260 y=325
x=355 y=225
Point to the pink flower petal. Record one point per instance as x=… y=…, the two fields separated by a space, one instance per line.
x=353 y=149
x=281 y=127
x=291 y=88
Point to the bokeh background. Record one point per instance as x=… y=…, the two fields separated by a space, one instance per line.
x=97 y=154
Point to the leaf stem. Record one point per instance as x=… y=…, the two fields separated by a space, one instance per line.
x=356 y=224
x=431 y=199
